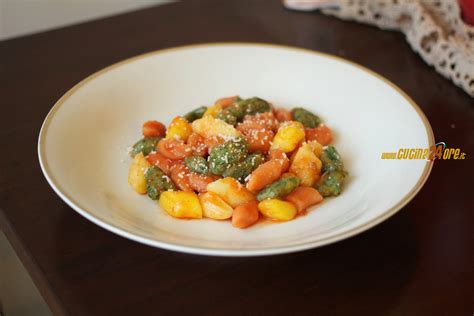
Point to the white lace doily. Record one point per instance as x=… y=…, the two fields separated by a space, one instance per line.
x=433 y=28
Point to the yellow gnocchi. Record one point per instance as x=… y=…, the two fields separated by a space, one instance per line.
x=290 y=134
x=215 y=207
x=179 y=129
x=306 y=165
x=136 y=173
x=213 y=110
x=208 y=126
x=181 y=204
x=231 y=191
x=277 y=210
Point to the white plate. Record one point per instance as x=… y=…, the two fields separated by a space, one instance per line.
x=84 y=139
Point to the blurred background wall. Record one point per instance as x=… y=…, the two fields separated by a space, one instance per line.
x=22 y=17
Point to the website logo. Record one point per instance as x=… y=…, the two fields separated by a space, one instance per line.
x=437 y=152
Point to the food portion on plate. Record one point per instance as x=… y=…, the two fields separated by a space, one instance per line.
x=238 y=159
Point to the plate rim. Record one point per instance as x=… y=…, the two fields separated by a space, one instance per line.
x=124 y=232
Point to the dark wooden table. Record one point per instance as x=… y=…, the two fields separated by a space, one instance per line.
x=419 y=262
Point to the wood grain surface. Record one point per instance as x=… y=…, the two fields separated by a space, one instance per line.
x=419 y=262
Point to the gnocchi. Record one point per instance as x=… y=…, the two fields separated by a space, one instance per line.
x=238 y=160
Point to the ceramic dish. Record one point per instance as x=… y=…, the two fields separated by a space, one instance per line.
x=84 y=139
